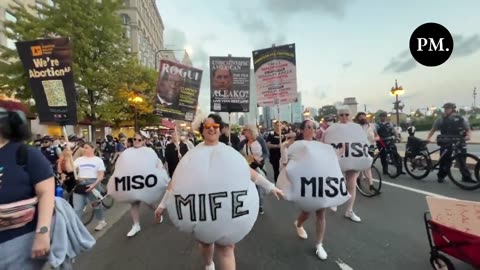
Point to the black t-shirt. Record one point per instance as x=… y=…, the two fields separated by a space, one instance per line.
x=274 y=138
x=19 y=182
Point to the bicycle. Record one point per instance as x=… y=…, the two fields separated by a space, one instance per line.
x=393 y=157
x=363 y=186
x=418 y=158
x=103 y=198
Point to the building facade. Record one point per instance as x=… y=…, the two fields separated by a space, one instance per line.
x=6 y=14
x=144 y=28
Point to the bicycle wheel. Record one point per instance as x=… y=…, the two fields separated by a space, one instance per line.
x=363 y=186
x=419 y=166
x=87 y=215
x=394 y=161
x=463 y=171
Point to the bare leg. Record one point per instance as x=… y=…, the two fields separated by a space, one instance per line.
x=226 y=257
x=135 y=212
x=321 y=225
x=352 y=188
x=368 y=173
x=302 y=218
x=207 y=252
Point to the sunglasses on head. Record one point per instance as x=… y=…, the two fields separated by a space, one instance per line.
x=344 y=114
x=137 y=140
x=214 y=125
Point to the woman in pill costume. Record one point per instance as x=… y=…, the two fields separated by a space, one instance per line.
x=210 y=130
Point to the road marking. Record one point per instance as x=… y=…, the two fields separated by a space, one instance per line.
x=414 y=190
x=343 y=265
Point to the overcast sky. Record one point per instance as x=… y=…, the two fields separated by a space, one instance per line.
x=344 y=47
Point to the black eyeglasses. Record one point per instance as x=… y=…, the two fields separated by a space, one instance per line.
x=46 y=141
x=344 y=114
x=137 y=140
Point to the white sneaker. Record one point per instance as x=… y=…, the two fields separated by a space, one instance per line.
x=333 y=208
x=210 y=267
x=301 y=231
x=134 y=230
x=321 y=253
x=101 y=225
x=351 y=215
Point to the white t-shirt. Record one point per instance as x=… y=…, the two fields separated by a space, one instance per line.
x=254 y=149
x=88 y=167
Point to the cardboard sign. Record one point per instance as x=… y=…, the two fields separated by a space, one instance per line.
x=457 y=214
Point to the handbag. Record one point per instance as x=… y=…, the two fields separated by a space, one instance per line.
x=80 y=189
x=17 y=214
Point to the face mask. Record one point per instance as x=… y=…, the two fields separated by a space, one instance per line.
x=71 y=145
x=330 y=123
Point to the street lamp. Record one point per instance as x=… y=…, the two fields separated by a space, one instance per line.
x=135 y=100
x=306 y=114
x=395 y=91
x=160 y=51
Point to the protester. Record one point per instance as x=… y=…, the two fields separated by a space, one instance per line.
x=25 y=174
x=173 y=153
x=274 y=140
x=252 y=150
x=91 y=170
x=361 y=119
x=210 y=130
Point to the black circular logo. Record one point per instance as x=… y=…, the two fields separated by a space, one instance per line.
x=431 y=44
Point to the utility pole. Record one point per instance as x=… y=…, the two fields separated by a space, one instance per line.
x=474 y=97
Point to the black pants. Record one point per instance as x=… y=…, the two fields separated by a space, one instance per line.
x=446 y=163
x=275 y=161
x=384 y=155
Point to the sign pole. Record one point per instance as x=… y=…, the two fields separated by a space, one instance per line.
x=229 y=112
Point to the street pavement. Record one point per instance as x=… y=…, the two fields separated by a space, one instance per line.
x=392 y=235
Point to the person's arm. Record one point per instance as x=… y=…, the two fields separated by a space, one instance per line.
x=468 y=130
x=41 y=178
x=45 y=191
x=435 y=127
x=265 y=152
x=100 y=175
x=261 y=181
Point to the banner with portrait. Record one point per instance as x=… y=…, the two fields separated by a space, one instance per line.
x=178 y=88
x=275 y=75
x=229 y=84
x=48 y=63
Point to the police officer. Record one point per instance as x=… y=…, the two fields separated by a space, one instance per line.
x=386 y=131
x=51 y=152
x=451 y=124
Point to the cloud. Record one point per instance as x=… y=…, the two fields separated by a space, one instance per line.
x=465 y=46
x=347 y=64
x=282 y=8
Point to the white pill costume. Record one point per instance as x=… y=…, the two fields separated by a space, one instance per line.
x=312 y=178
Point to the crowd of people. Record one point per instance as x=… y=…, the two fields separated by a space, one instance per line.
x=80 y=166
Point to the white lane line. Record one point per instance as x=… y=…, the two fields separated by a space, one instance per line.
x=342 y=265
x=414 y=190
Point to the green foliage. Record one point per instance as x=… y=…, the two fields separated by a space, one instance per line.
x=99 y=50
x=326 y=110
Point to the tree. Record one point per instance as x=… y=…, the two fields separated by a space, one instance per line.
x=327 y=110
x=136 y=81
x=99 y=50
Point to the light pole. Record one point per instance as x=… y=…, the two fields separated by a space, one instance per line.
x=474 y=97
x=160 y=51
x=395 y=91
x=306 y=114
x=135 y=100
